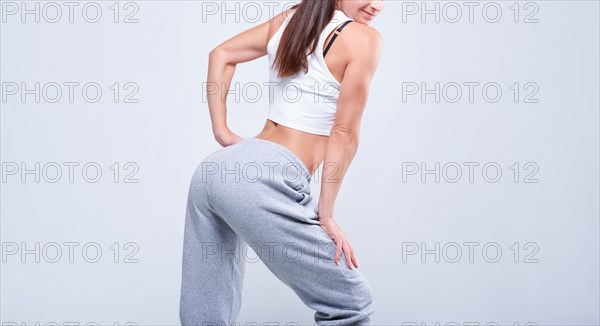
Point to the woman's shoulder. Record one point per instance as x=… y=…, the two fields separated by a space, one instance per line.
x=362 y=35
x=360 y=43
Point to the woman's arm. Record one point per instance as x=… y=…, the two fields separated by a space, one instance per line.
x=344 y=138
x=222 y=61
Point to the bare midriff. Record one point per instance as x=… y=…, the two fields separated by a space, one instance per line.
x=310 y=148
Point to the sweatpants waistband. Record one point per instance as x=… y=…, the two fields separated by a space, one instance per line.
x=285 y=152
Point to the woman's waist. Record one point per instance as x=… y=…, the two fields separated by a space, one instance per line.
x=308 y=148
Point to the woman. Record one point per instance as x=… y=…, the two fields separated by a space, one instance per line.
x=255 y=192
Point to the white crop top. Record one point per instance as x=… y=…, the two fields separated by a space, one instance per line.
x=305 y=101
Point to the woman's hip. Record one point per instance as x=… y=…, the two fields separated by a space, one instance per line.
x=254 y=161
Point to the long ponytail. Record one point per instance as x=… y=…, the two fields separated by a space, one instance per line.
x=301 y=34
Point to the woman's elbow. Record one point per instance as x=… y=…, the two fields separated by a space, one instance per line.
x=348 y=134
x=221 y=56
x=215 y=53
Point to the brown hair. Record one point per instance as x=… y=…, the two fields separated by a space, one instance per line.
x=301 y=34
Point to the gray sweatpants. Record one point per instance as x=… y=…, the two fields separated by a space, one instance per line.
x=256 y=195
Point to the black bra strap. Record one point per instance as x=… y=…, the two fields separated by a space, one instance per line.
x=334 y=36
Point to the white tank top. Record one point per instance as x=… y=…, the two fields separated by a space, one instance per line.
x=305 y=101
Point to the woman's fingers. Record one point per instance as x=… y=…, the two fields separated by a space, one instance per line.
x=354 y=261
x=351 y=258
x=341 y=244
x=338 y=251
x=348 y=254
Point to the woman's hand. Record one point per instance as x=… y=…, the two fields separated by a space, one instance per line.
x=226 y=137
x=341 y=242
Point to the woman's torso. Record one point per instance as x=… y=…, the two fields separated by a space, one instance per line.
x=310 y=148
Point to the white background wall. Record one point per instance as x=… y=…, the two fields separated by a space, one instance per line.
x=542 y=212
